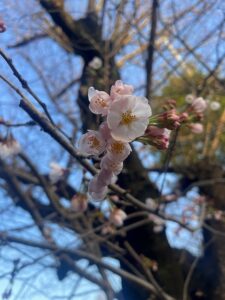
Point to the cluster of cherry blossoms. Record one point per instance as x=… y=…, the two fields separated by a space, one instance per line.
x=128 y=118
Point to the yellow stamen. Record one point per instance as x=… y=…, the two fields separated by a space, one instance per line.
x=127 y=118
x=117 y=147
x=101 y=102
x=94 y=142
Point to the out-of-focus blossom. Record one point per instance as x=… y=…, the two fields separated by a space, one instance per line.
x=9 y=147
x=2 y=26
x=128 y=117
x=95 y=63
x=114 y=198
x=91 y=143
x=170 y=197
x=118 y=151
x=79 y=202
x=151 y=204
x=99 y=101
x=159 y=223
x=214 y=105
x=198 y=105
x=56 y=172
x=119 y=88
x=196 y=128
x=218 y=214
x=189 y=98
x=117 y=217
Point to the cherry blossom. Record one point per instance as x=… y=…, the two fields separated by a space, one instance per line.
x=119 y=88
x=112 y=165
x=128 y=117
x=91 y=143
x=99 y=101
x=117 y=150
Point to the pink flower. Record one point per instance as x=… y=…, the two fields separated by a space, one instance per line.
x=112 y=165
x=56 y=172
x=91 y=143
x=196 y=128
x=128 y=117
x=118 y=151
x=99 y=101
x=106 y=177
x=119 y=88
x=79 y=202
x=198 y=105
x=117 y=217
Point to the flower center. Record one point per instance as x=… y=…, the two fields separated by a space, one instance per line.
x=101 y=102
x=94 y=142
x=127 y=118
x=117 y=147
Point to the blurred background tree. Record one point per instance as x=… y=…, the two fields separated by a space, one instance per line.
x=167 y=50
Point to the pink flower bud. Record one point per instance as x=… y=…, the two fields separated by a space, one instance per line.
x=169 y=119
x=158 y=137
x=196 y=128
x=56 y=172
x=117 y=217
